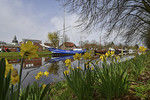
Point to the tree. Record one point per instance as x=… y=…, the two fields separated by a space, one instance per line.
x=54 y=39
x=81 y=43
x=129 y=18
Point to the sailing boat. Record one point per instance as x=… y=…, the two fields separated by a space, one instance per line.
x=62 y=52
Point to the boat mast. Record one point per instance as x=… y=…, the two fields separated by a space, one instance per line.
x=64 y=26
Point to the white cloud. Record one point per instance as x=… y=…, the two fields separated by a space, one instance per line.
x=70 y=22
x=17 y=19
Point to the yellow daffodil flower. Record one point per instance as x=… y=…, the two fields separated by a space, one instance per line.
x=40 y=74
x=142 y=49
x=87 y=56
x=72 y=69
x=8 y=67
x=37 y=77
x=112 y=53
x=66 y=72
x=102 y=57
x=90 y=65
x=87 y=66
x=69 y=67
x=14 y=76
x=92 y=68
x=14 y=79
x=44 y=85
x=68 y=62
x=46 y=73
x=107 y=54
x=96 y=62
x=77 y=56
x=28 y=50
x=79 y=68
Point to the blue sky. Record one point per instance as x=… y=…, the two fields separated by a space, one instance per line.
x=33 y=19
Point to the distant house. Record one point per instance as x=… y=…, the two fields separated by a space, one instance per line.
x=2 y=43
x=13 y=47
x=35 y=42
x=68 y=46
x=92 y=46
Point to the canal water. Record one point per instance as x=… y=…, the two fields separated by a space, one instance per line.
x=54 y=65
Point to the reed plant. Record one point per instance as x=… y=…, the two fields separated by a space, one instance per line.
x=111 y=80
x=81 y=81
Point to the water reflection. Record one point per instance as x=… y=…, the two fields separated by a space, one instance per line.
x=34 y=62
x=55 y=66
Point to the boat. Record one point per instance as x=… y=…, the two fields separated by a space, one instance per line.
x=60 y=52
x=67 y=52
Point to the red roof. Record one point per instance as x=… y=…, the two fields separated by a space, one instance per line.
x=69 y=44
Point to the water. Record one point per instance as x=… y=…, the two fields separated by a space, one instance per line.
x=55 y=66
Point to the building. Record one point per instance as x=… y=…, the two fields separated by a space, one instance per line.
x=35 y=42
x=13 y=47
x=15 y=41
x=68 y=46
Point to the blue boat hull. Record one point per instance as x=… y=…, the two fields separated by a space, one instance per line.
x=60 y=51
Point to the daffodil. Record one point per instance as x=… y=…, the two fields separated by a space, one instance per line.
x=79 y=68
x=14 y=79
x=142 y=49
x=44 y=85
x=87 y=56
x=92 y=68
x=102 y=57
x=46 y=73
x=96 y=62
x=112 y=53
x=8 y=67
x=40 y=74
x=37 y=77
x=77 y=56
x=29 y=50
x=68 y=62
x=90 y=65
x=14 y=76
x=69 y=67
x=66 y=72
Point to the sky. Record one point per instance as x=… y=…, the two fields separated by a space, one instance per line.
x=33 y=19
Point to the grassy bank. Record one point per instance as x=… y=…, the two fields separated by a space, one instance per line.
x=15 y=55
x=136 y=82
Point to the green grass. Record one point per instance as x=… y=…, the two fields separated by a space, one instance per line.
x=139 y=83
x=15 y=55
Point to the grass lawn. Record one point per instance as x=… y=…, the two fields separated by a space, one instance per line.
x=15 y=55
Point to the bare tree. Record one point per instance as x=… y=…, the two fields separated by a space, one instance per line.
x=129 y=18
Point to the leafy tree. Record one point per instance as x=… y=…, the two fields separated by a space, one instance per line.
x=54 y=39
x=129 y=18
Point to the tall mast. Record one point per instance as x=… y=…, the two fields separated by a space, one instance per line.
x=64 y=25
